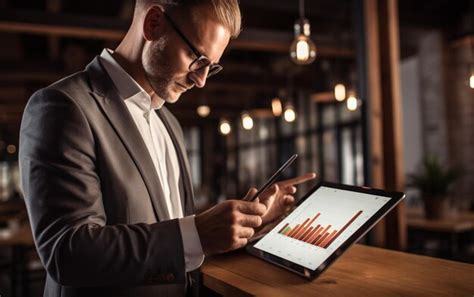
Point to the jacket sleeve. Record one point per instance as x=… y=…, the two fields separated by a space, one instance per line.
x=63 y=196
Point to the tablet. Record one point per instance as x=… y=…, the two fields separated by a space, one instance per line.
x=325 y=222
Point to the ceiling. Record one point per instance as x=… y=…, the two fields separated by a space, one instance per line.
x=44 y=40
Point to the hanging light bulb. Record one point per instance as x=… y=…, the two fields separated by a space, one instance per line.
x=203 y=111
x=303 y=49
x=247 y=121
x=340 y=92
x=224 y=127
x=471 y=68
x=277 y=109
x=352 y=103
x=289 y=115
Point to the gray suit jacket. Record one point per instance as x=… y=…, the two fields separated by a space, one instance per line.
x=91 y=191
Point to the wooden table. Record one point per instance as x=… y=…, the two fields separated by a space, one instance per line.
x=460 y=222
x=361 y=271
x=449 y=229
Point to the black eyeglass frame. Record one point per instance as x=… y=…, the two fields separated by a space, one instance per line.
x=201 y=60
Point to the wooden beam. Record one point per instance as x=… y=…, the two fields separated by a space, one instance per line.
x=382 y=43
x=467 y=41
x=65 y=30
x=35 y=74
x=114 y=29
x=334 y=10
x=12 y=94
x=323 y=97
x=394 y=173
x=11 y=114
x=279 y=41
x=64 y=25
x=53 y=6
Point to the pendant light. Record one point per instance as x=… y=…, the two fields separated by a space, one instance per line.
x=277 y=108
x=302 y=50
x=340 y=92
x=290 y=114
x=471 y=68
x=247 y=121
x=203 y=110
x=224 y=127
x=352 y=103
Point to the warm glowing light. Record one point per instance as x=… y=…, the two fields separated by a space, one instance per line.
x=340 y=92
x=277 y=108
x=11 y=149
x=290 y=114
x=352 y=103
x=303 y=50
x=471 y=81
x=247 y=121
x=224 y=127
x=203 y=111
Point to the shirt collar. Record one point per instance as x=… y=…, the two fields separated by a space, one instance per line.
x=128 y=88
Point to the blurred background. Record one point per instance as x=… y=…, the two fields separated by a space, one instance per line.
x=367 y=92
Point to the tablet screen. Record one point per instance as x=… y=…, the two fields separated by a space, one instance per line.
x=320 y=225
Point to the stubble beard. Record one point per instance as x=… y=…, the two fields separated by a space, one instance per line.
x=158 y=70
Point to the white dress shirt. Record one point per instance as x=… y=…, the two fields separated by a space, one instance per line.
x=162 y=153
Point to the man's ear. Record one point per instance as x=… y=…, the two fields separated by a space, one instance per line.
x=153 y=27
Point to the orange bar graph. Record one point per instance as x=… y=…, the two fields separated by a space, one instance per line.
x=319 y=235
x=293 y=231
x=284 y=227
x=305 y=232
x=327 y=239
x=297 y=232
x=316 y=234
x=344 y=228
x=310 y=234
x=323 y=238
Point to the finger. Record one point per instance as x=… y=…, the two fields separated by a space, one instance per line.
x=291 y=190
x=272 y=190
x=241 y=242
x=288 y=199
x=246 y=232
x=250 y=221
x=298 y=180
x=252 y=208
x=250 y=194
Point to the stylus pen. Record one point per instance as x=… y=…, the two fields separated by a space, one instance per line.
x=274 y=177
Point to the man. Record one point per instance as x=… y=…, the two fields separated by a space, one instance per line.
x=104 y=169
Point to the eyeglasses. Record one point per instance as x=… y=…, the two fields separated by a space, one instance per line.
x=201 y=60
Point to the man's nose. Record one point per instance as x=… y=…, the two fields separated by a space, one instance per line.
x=199 y=77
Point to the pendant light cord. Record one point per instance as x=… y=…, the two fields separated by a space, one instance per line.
x=302 y=9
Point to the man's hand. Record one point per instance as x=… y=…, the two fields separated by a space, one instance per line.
x=279 y=199
x=228 y=225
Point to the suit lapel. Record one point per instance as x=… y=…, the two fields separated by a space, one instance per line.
x=113 y=106
x=187 y=194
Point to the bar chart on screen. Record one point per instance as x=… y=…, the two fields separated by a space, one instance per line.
x=320 y=225
x=319 y=235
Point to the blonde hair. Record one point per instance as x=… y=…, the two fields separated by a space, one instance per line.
x=227 y=11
